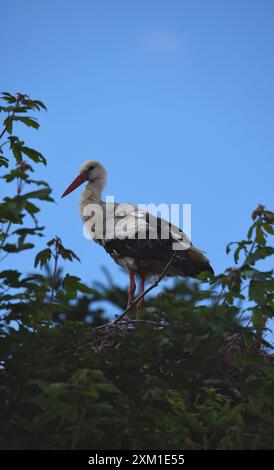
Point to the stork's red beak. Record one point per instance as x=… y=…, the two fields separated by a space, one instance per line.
x=77 y=182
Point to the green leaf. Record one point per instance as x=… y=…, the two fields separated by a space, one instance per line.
x=73 y=284
x=42 y=194
x=30 y=122
x=11 y=210
x=259 y=254
x=4 y=161
x=32 y=209
x=43 y=257
x=37 y=157
x=269 y=229
x=40 y=104
x=259 y=289
x=8 y=124
x=248 y=360
x=237 y=254
x=8 y=97
x=260 y=236
x=16 y=148
x=250 y=231
x=11 y=277
x=14 y=248
x=67 y=254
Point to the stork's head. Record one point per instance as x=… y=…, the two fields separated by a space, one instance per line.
x=91 y=171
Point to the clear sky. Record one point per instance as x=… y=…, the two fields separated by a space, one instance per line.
x=175 y=97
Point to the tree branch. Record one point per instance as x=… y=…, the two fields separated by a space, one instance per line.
x=153 y=285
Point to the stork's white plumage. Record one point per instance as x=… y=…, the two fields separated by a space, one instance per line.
x=139 y=242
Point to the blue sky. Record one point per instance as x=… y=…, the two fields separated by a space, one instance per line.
x=174 y=97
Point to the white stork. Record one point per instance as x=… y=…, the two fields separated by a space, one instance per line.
x=134 y=239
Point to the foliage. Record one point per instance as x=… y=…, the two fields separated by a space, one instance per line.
x=194 y=371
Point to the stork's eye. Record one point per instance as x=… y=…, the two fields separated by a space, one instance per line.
x=91 y=167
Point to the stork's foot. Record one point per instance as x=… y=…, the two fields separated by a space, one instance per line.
x=126 y=318
x=128 y=314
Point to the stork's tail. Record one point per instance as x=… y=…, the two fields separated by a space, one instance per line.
x=192 y=262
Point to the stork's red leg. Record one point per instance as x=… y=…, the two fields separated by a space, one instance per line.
x=141 y=302
x=132 y=287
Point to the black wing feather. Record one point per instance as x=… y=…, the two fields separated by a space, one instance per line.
x=188 y=262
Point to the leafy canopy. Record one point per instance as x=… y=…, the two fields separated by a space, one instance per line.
x=194 y=371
